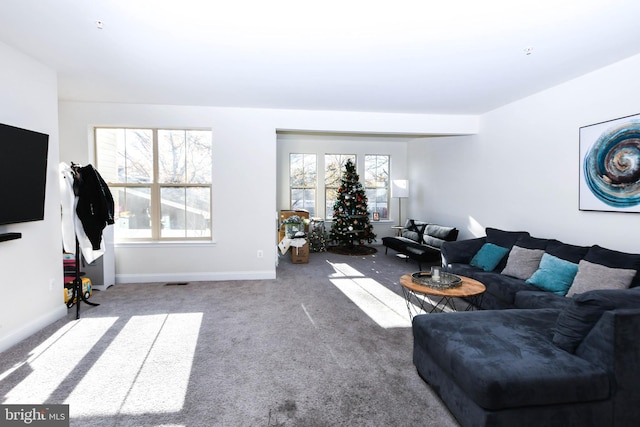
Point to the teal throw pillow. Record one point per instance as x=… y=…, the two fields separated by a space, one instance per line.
x=554 y=275
x=489 y=256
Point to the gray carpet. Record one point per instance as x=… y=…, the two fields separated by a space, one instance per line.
x=294 y=351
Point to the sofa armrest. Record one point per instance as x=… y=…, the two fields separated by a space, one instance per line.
x=613 y=344
x=461 y=251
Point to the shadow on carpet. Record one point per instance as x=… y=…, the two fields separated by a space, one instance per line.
x=352 y=250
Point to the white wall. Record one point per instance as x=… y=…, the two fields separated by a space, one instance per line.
x=31 y=267
x=521 y=170
x=244 y=190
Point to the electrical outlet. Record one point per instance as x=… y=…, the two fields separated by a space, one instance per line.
x=52 y=283
x=260 y=253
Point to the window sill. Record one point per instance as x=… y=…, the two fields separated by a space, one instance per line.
x=166 y=244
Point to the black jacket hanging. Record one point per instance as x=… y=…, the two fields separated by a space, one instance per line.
x=95 y=203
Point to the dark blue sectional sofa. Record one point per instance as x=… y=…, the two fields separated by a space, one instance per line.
x=535 y=356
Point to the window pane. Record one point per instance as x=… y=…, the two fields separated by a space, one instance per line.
x=296 y=171
x=310 y=202
x=184 y=156
x=378 y=202
x=125 y=155
x=376 y=171
x=302 y=170
x=331 y=195
x=377 y=184
x=132 y=212
x=171 y=156
x=198 y=212
x=302 y=180
x=310 y=170
x=297 y=195
x=172 y=212
x=139 y=155
x=199 y=157
x=303 y=199
x=107 y=153
x=334 y=167
x=185 y=212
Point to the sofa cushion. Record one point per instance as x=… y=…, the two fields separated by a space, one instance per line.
x=435 y=235
x=584 y=311
x=554 y=275
x=506 y=359
x=432 y=241
x=489 y=256
x=566 y=251
x=441 y=232
x=413 y=230
x=522 y=262
x=461 y=251
x=595 y=276
x=615 y=259
x=506 y=239
x=532 y=242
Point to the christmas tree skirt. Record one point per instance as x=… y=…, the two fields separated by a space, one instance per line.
x=352 y=250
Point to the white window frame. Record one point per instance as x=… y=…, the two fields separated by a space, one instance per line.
x=156 y=188
x=305 y=186
x=369 y=188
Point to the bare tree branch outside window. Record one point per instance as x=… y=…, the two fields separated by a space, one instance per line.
x=161 y=180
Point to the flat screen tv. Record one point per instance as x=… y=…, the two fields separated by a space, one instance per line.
x=23 y=174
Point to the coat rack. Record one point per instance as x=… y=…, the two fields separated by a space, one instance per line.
x=77 y=294
x=107 y=216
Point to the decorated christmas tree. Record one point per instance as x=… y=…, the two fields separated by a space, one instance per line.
x=350 y=217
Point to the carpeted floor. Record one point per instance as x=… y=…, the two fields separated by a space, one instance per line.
x=325 y=344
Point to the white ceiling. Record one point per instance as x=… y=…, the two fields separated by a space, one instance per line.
x=415 y=56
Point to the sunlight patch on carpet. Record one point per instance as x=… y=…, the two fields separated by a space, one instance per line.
x=131 y=375
x=37 y=351
x=172 y=352
x=52 y=361
x=344 y=270
x=383 y=306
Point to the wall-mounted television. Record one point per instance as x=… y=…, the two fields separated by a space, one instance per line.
x=23 y=174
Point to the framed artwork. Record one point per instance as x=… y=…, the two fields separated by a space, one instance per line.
x=610 y=166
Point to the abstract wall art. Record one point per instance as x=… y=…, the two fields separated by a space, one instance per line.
x=610 y=166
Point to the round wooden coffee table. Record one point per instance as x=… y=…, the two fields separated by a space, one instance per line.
x=418 y=297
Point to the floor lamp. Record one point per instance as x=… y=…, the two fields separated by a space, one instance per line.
x=400 y=189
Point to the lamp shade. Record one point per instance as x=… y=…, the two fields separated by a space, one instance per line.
x=400 y=188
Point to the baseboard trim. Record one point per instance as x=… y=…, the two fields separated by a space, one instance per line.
x=196 y=277
x=32 y=327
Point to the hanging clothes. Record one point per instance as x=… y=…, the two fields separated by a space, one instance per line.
x=95 y=204
x=71 y=225
x=87 y=207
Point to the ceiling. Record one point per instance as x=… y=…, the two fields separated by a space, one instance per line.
x=409 y=56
